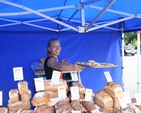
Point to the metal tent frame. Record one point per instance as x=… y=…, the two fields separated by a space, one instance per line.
x=82 y=26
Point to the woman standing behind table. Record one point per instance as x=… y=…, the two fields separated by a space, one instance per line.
x=51 y=62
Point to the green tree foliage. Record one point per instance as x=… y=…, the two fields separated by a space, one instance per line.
x=130 y=37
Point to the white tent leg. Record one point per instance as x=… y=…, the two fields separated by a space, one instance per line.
x=123 y=57
x=138 y=61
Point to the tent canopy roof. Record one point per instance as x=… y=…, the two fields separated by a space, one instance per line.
x=74 y=15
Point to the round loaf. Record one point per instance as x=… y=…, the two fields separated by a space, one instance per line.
x=40 y=98
x=53 y=87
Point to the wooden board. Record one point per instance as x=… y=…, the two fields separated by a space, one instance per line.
x=103 y=65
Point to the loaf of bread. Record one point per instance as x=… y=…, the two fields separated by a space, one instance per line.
x=113 y=89
x=53 y=87
x=89 y=106
x=19 y=105
x=23 y=87
x=63 y=107
x=26 y=97
x=13 y=96
x=77 y=106
x=40 y=98
x=109 y=110
x=44 y=109
x=3 y=110
x=103 y=99
x=116 y=103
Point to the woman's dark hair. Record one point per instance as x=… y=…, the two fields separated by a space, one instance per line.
x=49 y=43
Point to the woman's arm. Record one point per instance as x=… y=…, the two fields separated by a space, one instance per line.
x=62 y=66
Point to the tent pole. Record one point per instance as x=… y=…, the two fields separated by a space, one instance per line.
x=123 y=44
x=82 y=14
x=138 y=61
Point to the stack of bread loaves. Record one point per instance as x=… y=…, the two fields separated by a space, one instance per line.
x=114 y=90
x=19 y=98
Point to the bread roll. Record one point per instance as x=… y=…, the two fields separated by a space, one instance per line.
x=40 y=98
x=53 y=87
x=13 y=96
x=113 y=89
x=103 y=99
x=23 y=87
x=3 y=110
x=44 y=109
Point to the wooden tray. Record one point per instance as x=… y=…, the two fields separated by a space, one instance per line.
x=103 y=65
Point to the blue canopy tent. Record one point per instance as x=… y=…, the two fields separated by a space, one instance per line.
x=90 y=29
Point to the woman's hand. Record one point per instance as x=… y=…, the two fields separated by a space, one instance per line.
x=78 y=67
x=65 y=61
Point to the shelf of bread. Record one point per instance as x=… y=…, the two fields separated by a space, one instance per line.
x=47 y=101
x=94 y=64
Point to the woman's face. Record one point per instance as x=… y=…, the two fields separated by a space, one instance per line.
x=54 y=48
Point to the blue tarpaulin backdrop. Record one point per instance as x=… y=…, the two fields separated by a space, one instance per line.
x=21 y=49
x=26 y=26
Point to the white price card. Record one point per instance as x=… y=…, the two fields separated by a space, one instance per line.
x=18 y=73
x=55 y=76
x=74 y=93
x=108 y=76
x=127 y=97
x=95 y=111
x=62 y=92
x=88 y=95
x=138 y=98
x=122 y=102
x=0 y=98
x=74 y=111
x=39 y=84
x=74 y=76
